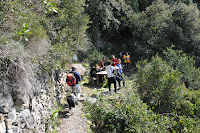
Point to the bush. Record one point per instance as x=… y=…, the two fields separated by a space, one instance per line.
x=126 y=114
x=186 y=65
x=158 y=84
x=94 y=56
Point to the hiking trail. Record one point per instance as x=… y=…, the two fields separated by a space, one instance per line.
x=73 y=121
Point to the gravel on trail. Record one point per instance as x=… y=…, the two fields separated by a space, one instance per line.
x=73 y=121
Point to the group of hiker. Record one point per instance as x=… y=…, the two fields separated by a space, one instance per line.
x=114 y=70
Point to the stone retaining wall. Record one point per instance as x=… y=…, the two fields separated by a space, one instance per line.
x=29 y=113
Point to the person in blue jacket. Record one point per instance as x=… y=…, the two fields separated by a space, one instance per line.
x=77 y=87
x=119 y=76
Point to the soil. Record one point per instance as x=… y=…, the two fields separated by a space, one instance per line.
x=73 y=121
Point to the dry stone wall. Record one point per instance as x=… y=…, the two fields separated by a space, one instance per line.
x=29 y=113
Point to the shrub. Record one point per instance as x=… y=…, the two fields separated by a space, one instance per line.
x=186 y=65
x=94 y=56
x=126 y=114
x=158 y=84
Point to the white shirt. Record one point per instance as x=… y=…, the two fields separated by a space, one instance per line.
x=109 y=70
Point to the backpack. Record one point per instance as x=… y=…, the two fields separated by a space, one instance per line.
x=119 y=76
x=71 y=79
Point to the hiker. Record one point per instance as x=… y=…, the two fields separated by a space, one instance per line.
x=114 y=60
x=110 y=75
x=120 y=76
x=102 y=63
x=127 y=61
x=76 y=88
x=94 y=70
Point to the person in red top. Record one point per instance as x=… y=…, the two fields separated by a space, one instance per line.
x=102 y=63
x=114 y=61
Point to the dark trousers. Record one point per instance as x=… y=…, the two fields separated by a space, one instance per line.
x=126 y=66
x=119 y=78
x=112 y=80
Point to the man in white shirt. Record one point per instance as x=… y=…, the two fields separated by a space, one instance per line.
x=111 y=76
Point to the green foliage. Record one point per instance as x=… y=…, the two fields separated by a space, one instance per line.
x=186 y=65
x=158 y=84
x=160 y=87
x=107 y=18
x=70 y=24
x=23 y=34
x=128 y=113
x=50 y=7
x=61 y=24
x=53 y=121
x=179 y=1
x=94 y=56
x=144 y=27
x=162 y=24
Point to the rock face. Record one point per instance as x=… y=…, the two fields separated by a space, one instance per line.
x=29 y=113
x=80 y=68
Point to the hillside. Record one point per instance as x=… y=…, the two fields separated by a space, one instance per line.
x=40 y=40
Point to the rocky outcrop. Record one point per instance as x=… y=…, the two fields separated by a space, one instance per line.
x=29 y=113
x=80 y=68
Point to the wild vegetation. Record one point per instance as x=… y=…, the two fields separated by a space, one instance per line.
x=144 y=28
x=39 y=36
x=162 y=36
x=156 y=99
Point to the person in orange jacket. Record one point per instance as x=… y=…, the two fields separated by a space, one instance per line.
x=127 y=61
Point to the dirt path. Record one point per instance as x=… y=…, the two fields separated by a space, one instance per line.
x=73 y=121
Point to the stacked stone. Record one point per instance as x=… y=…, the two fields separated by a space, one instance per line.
x=28 y=113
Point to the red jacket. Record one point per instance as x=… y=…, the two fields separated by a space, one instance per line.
x=101 y=64
x=115 y=61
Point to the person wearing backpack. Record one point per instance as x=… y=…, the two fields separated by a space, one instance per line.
x=76 y=89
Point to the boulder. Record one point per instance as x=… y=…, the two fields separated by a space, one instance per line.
x=16 y=129
x=2 y=127
x=26 y=117
x=8 y=123
x=80 y=68
x=1 y=117
x=33 y=104
x=92 y=100
x=19 y=105
x=12 y=115
x=6 y=101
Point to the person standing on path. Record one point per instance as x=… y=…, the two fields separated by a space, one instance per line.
x=76 y=88
x=114 y=61
x=111 y=78
x=120 y=76
x=127 y=61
